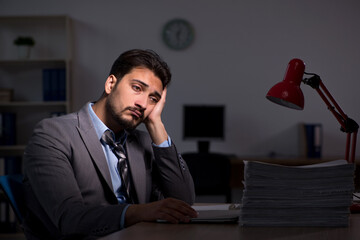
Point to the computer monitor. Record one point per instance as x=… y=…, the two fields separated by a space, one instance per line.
x=203 y=123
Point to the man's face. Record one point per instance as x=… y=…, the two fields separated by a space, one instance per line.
x=133 y=98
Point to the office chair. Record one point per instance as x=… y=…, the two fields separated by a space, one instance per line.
x=12 y=187
x=210 y=172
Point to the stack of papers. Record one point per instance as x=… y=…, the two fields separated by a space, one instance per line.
x=311 y=195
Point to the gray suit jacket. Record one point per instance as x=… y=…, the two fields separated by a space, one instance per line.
x=67 y=183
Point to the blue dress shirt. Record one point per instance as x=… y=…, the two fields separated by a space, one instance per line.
x=112 y=160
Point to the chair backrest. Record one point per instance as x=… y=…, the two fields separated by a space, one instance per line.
x=13 y=189
x=210 y=172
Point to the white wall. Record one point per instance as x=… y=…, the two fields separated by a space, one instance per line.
x=241 y=49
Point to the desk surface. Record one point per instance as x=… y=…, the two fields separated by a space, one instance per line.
x=160 y=231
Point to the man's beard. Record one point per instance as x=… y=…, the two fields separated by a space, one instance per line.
x=119 y=119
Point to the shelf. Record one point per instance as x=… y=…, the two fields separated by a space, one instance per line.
x=33 y=104
x=26 y=83
x=15 y=150
x=32 y=62
x=21 y=19
x=46 y=74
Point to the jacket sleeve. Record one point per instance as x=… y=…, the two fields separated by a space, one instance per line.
x=172 y=174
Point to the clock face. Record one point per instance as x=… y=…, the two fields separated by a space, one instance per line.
x=178 y=34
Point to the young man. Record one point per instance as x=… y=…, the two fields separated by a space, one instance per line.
x=79 y=185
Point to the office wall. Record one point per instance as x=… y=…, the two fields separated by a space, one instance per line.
x=241 y=49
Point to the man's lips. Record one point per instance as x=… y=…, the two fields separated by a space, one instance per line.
x=136 y=112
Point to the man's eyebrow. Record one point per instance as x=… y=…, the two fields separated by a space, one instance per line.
x=156 y=93
x=141 y=82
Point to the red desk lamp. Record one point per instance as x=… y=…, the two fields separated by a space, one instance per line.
x=288 y=93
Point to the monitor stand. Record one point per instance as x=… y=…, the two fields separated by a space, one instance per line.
x=203 y=146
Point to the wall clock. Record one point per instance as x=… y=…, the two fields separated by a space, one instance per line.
x=178 y=34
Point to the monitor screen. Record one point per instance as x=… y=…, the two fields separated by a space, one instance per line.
x=203 y=122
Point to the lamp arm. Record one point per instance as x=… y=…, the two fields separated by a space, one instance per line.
x=337 y=111
x=348 y=125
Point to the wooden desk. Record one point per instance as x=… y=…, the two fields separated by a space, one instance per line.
x=160 y=231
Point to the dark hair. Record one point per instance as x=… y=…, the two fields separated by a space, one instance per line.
x=141 y=58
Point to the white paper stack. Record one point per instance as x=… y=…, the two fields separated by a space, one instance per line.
x=311 y=195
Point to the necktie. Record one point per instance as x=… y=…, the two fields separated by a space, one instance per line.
x=122 y=166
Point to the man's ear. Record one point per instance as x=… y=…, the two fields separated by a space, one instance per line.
x=110 y=83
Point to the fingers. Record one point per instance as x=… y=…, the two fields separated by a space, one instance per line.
x=163 y=96
x=160 y=105
x=176 y=211
x=155 y=114
x=154 y=123
x=170 y=210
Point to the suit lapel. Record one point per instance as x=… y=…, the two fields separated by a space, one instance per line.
x=91 y=141
x=137 y=168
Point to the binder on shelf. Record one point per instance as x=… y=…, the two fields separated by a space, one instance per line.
x=7 y=128
x=54 y=84
x=62 y=84
x=311 y=139
x=46 y=84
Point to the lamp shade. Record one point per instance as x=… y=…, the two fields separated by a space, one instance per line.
x=288 y=92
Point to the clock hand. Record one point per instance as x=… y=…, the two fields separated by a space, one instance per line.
x=178 y=33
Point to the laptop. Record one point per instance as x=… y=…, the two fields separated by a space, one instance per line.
x=217 y=213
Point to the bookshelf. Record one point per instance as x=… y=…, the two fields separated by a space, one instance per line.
x=31 y=88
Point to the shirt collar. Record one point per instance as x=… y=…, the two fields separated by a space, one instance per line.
x=100 y=127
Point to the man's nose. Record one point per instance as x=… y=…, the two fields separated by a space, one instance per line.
x=141 y=101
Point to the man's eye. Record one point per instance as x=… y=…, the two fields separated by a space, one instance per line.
x=154 y=99
x=136 y=88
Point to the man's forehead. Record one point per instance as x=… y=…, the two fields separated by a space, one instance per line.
x=151 y=83
x=145 y=69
